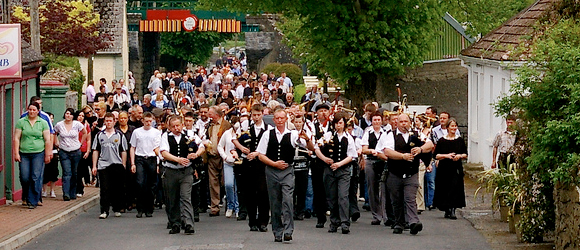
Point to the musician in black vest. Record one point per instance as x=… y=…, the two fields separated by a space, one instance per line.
x=276 y=150
x=403 y=148
x=301 y=161
x=177 y=174
x=321 y=126
x=250 y=175
x=374 y=166
x=337 y=151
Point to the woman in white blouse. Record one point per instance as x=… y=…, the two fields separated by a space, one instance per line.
x=227 y=151
x=68 y=132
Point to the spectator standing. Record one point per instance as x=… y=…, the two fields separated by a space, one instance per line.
x=68 y=132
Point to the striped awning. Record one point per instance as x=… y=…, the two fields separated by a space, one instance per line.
x=205 y=25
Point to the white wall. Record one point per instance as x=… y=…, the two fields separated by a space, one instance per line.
x=104 y=66
x=487 y=81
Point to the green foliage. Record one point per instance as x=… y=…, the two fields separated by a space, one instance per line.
x=192 y=47
x=546 y=96
x=299 y=91
x=272 y=67
x=483 y=16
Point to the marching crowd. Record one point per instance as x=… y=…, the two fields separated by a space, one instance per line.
x=199 y=141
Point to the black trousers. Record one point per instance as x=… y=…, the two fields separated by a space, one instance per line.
x=319 y=199
x=241 y=175
x=146 y=175
x=83 y=172
x=352 y=199
x=300 y=186
x=257 y=202
x=111 y=187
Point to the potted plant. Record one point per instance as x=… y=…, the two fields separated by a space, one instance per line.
x=502 y=182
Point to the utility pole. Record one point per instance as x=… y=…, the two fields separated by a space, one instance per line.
x=34 y=26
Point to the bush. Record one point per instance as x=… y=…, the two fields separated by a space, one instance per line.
x=68 y=70
x=293 y=71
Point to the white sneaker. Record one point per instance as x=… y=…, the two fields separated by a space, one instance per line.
x=327 y=213
x=229 y=213
x=117 y=214
x=52 y=194
x=103 y=216
x=79 y=195
x=44 y=193
x=361 y=199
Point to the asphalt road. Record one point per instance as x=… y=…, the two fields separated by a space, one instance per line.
x=127 y=232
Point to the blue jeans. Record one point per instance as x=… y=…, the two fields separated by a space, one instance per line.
x=69 y=161
x=230 y=184
x=429 y=185
x=31 y=172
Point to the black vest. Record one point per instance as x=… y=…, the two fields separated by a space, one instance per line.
x=339 y=148
x=181 y=148
x=403 y=167
x=373 y=140
x=280 y=151
x=255 y=138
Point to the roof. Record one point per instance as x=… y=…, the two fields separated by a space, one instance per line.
x=28 y=54
x=496 y=45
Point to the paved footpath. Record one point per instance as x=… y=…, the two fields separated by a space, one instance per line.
x=18 y=224
x=86 y=231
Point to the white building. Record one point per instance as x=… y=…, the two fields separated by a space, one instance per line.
x=490 y=71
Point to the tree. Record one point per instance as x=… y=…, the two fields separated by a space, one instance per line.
x=193 y=47
x=361 y=44
x=67 y=27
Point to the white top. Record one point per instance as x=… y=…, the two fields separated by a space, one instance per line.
x=121 y=98
x=226 y=145
x=239 y=92
x=288 y=82
x=263 y=144
x=387 y=140
x=351 y=150
x=69 y=140
x=164 y=145
x=199 y=126
x=145 y=141
x=365 y=138
x=155 y=84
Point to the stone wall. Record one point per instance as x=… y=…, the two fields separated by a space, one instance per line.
x=265 y=47
x=111 y=12
x=439 y=84
x=567 y=201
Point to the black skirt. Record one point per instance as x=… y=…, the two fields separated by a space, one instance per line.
x=51 y=170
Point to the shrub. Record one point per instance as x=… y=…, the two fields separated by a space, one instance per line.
x=293 y=71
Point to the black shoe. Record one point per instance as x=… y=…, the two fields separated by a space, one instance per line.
x=174 y=229
x=241 y=217
x=345 y=229
x=196 y=218
x=389 y=223
x=431 y=207
x=407 y=227
x=419 y=212
x=307 y=214
x=139 y=214
x=452 y=214
x=416 y=227
x=189 y=229
x=168 y=226
x=214 y=214
x=375 y=222
x=254 y=228
x=148 y=215
x=355 y=216
x=397 y=230
x=263 y=228
x=277 y=239
x=320 y=225
x=287 y=237
x=66 y=198
x=333 y=229
x=299 y=217
x=367 y=207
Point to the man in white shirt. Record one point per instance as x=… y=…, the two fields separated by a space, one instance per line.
x=90 y=92
x=403 y=147
x=144 y=142
x=177 y=175
x=121 y=99
x=276 y=150
x=287 y=82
